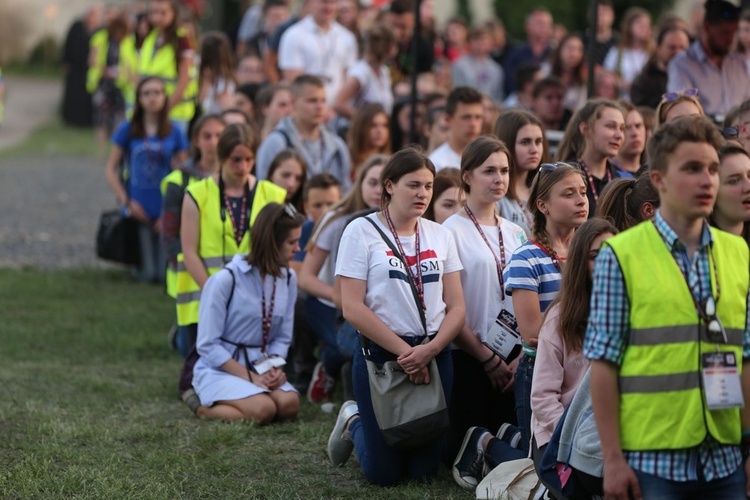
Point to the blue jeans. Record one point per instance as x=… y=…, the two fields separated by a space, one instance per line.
x=732 y=486
x=524 y=374
x=348 y=341
x=499 y=452
x=322 y=321
x=153 y=266
x=381 y=464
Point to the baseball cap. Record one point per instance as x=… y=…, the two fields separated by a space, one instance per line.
x=721 y=10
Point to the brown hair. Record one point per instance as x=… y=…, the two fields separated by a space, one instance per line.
x=234 y=135
x=137 y=125
x=379 y=41
x=462 y=95
x=477 y=152
x=506 y=129
x=696 y=128
x=272 y=226
x=573 y=142
x=541 y=188
x=577 y=283
x=303 y=81
x=319 y=181
x=216 y=56
x=353 y=202
x=404 y=162
x=621 y=201
x=631 y=15
x=443 y=182
x=359 y=132
x=579 y=72
x=265 y=96
x=281 y=157
x=664 y=106
x=197 y=127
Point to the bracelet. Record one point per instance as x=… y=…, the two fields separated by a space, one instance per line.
x=499 y=362
x=489 y=359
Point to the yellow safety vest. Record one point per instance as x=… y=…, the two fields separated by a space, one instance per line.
x=662 y=405
x=98 y=44
x=128 y=73
x=163 y=63
x=217 y=245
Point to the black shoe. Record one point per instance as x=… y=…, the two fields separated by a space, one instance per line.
x=469 y=464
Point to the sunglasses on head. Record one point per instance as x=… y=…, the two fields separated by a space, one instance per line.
x=671 y=96
x=549 y=167
x=290 y=210
x=730 y=132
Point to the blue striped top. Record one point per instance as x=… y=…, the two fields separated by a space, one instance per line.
x=530 y=268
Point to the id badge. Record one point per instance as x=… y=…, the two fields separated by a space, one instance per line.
x=263 y=365
x=503 y=336
x=721 y=380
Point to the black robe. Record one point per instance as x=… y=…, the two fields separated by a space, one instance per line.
x=76 y=107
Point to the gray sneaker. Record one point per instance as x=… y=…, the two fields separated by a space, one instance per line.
x=340 y=446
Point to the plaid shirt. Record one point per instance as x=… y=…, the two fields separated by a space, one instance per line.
x=607 y=339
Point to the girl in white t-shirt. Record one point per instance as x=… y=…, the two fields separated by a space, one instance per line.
x=317 y=275
x=368 y=81
x=378 y=301
x=216 y=81
x=485 y=242
x=627 y=59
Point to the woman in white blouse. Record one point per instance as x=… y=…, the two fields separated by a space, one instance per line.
x=245 y=327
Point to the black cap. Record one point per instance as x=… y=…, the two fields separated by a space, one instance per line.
x=721 y=10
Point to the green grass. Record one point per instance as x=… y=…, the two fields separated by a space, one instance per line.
x=53 y=140
x=45 y=71
x=90 y=408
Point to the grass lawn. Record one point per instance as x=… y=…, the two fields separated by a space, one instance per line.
x=90 y=408
x=54 y=140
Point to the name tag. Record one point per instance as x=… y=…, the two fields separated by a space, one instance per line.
x=721 y=380
x=503 y=337
x=263 y=365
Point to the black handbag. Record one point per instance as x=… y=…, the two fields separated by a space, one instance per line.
x=117 y=238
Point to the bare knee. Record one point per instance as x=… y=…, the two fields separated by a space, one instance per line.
x=260 y=409
x=287 y=405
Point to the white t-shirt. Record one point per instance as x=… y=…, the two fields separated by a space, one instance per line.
x=631 y=63
x=374 y=88
x=326 y=237
x=363 y=255
x=479 y=281
x=327 y=54
x=444 y=157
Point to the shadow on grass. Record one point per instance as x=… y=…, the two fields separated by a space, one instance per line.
x=90 y=407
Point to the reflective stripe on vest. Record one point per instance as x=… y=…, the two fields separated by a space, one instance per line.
x=217 y=245
x=163 y=63
x=661 y=398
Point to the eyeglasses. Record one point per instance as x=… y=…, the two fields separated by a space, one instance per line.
x=730 y=132
x=150 y=92
x=671 y=96
x=549 y=167
x=716 y=331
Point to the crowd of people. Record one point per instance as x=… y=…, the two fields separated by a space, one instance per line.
x=516 y=249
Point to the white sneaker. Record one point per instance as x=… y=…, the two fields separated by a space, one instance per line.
x=340 y=446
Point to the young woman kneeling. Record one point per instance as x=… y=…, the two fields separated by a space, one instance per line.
x=245 y=327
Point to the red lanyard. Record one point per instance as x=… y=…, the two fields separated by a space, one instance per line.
x=416 y=277
x=553 y=256
x=498 y=263
x=239 y=230
x=267 y=315
x=591 y=180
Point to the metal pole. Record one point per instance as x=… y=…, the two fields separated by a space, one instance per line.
x=590 y=53
x=413 y=132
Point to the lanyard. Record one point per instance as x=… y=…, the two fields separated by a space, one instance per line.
x=551 y=255
x=498 y=263
x=267 y=315
x=698 y=307
x=591 y=180
x=415 y=277
x=239 y=229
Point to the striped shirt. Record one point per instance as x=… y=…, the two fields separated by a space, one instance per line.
x=607 y=339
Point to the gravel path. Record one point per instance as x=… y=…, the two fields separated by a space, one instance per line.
x=49 y=206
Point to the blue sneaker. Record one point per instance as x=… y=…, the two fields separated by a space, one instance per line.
x=469 y=464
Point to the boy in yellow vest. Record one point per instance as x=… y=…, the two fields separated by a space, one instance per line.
x=668 y=335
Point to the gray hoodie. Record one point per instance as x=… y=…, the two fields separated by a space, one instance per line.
x=336 y=160
x=579 y=441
